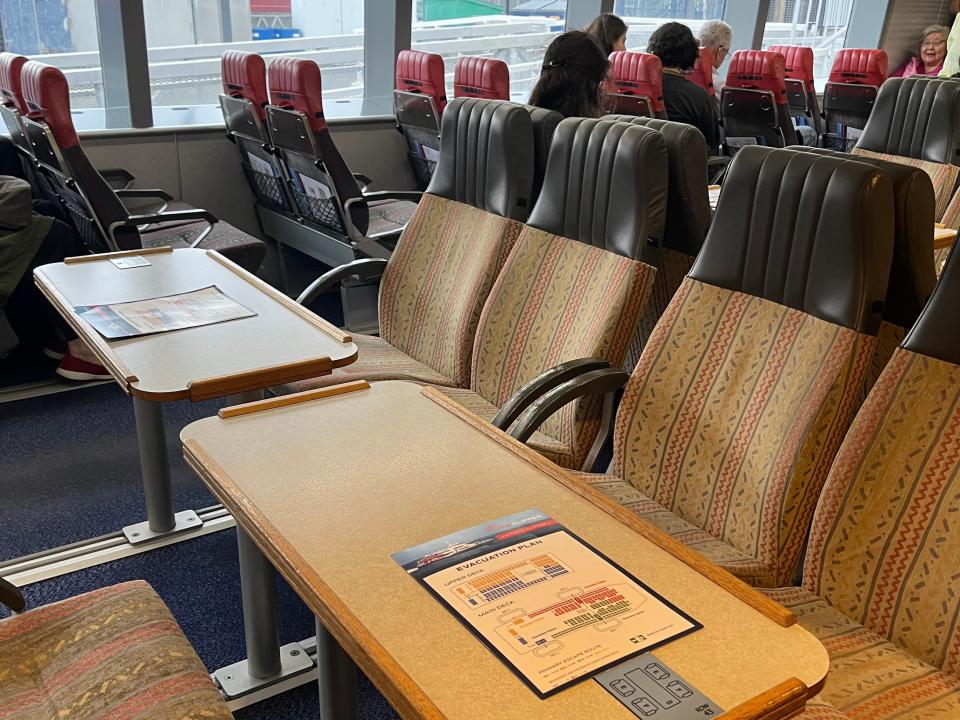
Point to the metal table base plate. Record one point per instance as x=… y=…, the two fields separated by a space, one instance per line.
x=141 y=532
x=235 y=680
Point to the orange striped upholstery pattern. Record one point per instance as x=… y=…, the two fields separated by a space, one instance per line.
x=111 y=654
x=438 y=279
x=731 y=420
x=943 y=176
x=556 y=300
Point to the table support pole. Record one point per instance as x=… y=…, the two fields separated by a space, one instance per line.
x=338 y=678
x=258 y=588
x=155 y=469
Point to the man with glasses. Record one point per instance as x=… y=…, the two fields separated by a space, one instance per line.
x=717 y=35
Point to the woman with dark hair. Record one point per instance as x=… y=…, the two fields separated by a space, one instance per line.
x=569 y=82
x=685 y=102
x=609 y=31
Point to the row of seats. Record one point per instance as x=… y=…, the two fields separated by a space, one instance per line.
x=36 y=110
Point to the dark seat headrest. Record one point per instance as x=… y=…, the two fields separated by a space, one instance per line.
x=486 y=156
x=859 y=66
x=798 y=63
x=935 y=332
x=702 y=71
x=481 y=77
x=422 y=72
x=758 y=70
x=912 y=274
x=809 y=232
x=295 y=85
x=636 y=73
x=606 y=185
x=11 y=67
x=47 y=97
x=916 y=117
x=245 y=77
x=688 y=200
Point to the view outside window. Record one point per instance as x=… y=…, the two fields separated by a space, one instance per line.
x=645 y=16
x=820 y=24
x=59 y=32
x=515 y=31
x=185 y=39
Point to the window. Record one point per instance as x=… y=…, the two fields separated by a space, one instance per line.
x=645 y=16
x=185 y=39
x=515 y=31
x=62 y=33
x=820 y=24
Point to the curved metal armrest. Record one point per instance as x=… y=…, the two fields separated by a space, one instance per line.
x=11 y=596
x=366 y=269
x=117 y=178
x=363 y=181
x=543 y=383
x=717 y=168
x=408 y=195
x=168 y=216
x=597 y=382
x=143 y=193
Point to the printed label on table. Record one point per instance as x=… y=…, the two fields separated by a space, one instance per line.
x=549 y=605
x=650 y=689
x=125 y=263
x=163 y=314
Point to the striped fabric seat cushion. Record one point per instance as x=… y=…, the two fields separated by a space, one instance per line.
x=733 y=416
x=376 y=360
x=545 y=445
x=883 y=550
x=653 y=512
x=111 y=654
x=943 y=176
x=437 y=281
x=557 y=300
x=870 y=677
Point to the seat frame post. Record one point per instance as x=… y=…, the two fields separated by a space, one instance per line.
x=338 y=678
x=155 y=470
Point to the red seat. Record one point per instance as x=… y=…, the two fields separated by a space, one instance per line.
x=47 y=98
x=480 y=77
x=754 y=102
x=244 y=76
x=422 y=73
x=856 y=66
x=759 y=70
x=635 y=84
x=702 y=72
x=295 y=85
x=798 y=75
x=11 y=66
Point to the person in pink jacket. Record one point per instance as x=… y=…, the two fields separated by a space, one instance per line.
x=933 y=51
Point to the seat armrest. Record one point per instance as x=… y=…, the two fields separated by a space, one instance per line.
x=167 y=216
x=596 y=382
x=363 y=181
x=408 y=195
x=117 y=178
x=11 y=596
x=365 y=269
x=717 y=168
x=543 y=383
x=143 y=193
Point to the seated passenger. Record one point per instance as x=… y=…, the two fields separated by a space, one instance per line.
x=573 y=68
x=27 y=241
x=685 y=102
x=609 y=31
x=933 y=51
x=718 y=36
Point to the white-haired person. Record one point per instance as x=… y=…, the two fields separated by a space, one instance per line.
x=717 y=35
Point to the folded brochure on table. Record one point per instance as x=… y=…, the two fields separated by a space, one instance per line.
x=206 y=306
x=549 y=605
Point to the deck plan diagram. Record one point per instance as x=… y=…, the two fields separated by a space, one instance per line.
x=553 y=608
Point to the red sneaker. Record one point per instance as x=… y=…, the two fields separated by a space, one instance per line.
x=56 y=349
x=73 y=368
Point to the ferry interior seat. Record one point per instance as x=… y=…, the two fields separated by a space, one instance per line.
x=570 y=296
x=435 y=283
x=702 y=72
x=244 y=105
x=95 y=208
x=419 y=98
x=881 y=567
x=801 y=93
x=754 y=102
x=912 y=273
x=634 y=85
x=111 y=652
x=850 y=94
x=736 y=409
x=340 y=219
x=481 y=77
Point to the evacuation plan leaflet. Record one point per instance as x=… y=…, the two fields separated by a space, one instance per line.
x=553 y=608
x=173 y=312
